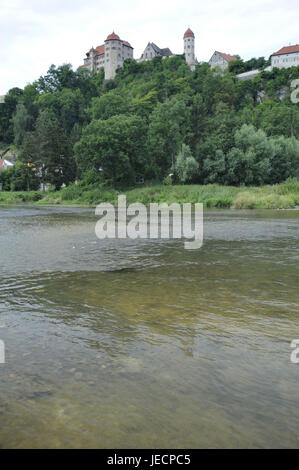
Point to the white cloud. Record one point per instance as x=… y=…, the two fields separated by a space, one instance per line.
x=36 y=33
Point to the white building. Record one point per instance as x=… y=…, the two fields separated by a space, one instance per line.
x=286 y=57
x=189 y=48
x=152 y=50
x=4 y=164
x=110 y=55
x=220 y=59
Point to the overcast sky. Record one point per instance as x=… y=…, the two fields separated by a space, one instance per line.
x=37 y=33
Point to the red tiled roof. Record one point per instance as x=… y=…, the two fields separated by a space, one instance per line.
x=126 y=43
x=112 y=36
x=227 y=57
x=287 y=50
x=189 y=34
x=101 y=49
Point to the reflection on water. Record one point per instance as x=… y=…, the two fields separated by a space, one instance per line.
x=135 y=344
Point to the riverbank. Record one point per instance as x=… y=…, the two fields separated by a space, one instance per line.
x=281 y=196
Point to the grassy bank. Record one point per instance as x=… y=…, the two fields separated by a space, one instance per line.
x=20 y=197
x=282 y=196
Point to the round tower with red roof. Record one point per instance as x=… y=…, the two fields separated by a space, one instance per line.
x=113 y=55
x=189 y=48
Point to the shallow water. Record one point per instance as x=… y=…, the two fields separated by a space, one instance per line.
x=133 y=344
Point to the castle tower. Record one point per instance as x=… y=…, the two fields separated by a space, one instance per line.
x=92 y=56
x=189 y=48
x=113 y=55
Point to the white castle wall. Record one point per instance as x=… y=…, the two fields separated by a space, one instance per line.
x=189 y=50
x=285 y=60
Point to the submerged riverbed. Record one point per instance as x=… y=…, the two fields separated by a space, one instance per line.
x=133 y=344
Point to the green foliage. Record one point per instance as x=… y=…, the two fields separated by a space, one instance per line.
x=7 y=110
x=48 y=150
x=168 y=127
x=239 y=66
x=19 y=178
x=20 y=197
x=110 y=104
x=63 y=77
x=282 y=196
x=115 y=146
x=258 y=159
x=168 y=180
x=68 y=106
x=154 y=118
x=185 y=167
x=22 y=123
x=277 y=118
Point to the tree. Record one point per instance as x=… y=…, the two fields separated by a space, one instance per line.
x=49 y=150
x=22 y=123
x=24 y=178
x=285 y=162
x=116 y=146
x=109 y=104
x=185 y=167
x=7 y=110
x=214 y=168
x=169 y=125
x=68 y=106
x=249 y=161
x=198 y=121
x=20 y=177
x=56 y=79
x=277 y=118
x=239 y=66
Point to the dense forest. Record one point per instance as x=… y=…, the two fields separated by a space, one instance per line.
x=156 y=121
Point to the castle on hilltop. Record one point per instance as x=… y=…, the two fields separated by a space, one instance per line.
x=112 y=54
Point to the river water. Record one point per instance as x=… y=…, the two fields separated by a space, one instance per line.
x=142 y=344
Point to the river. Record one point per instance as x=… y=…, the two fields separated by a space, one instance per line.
x=142 y=344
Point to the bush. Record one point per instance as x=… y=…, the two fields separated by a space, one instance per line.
x=71 y=192
x=185 y=167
